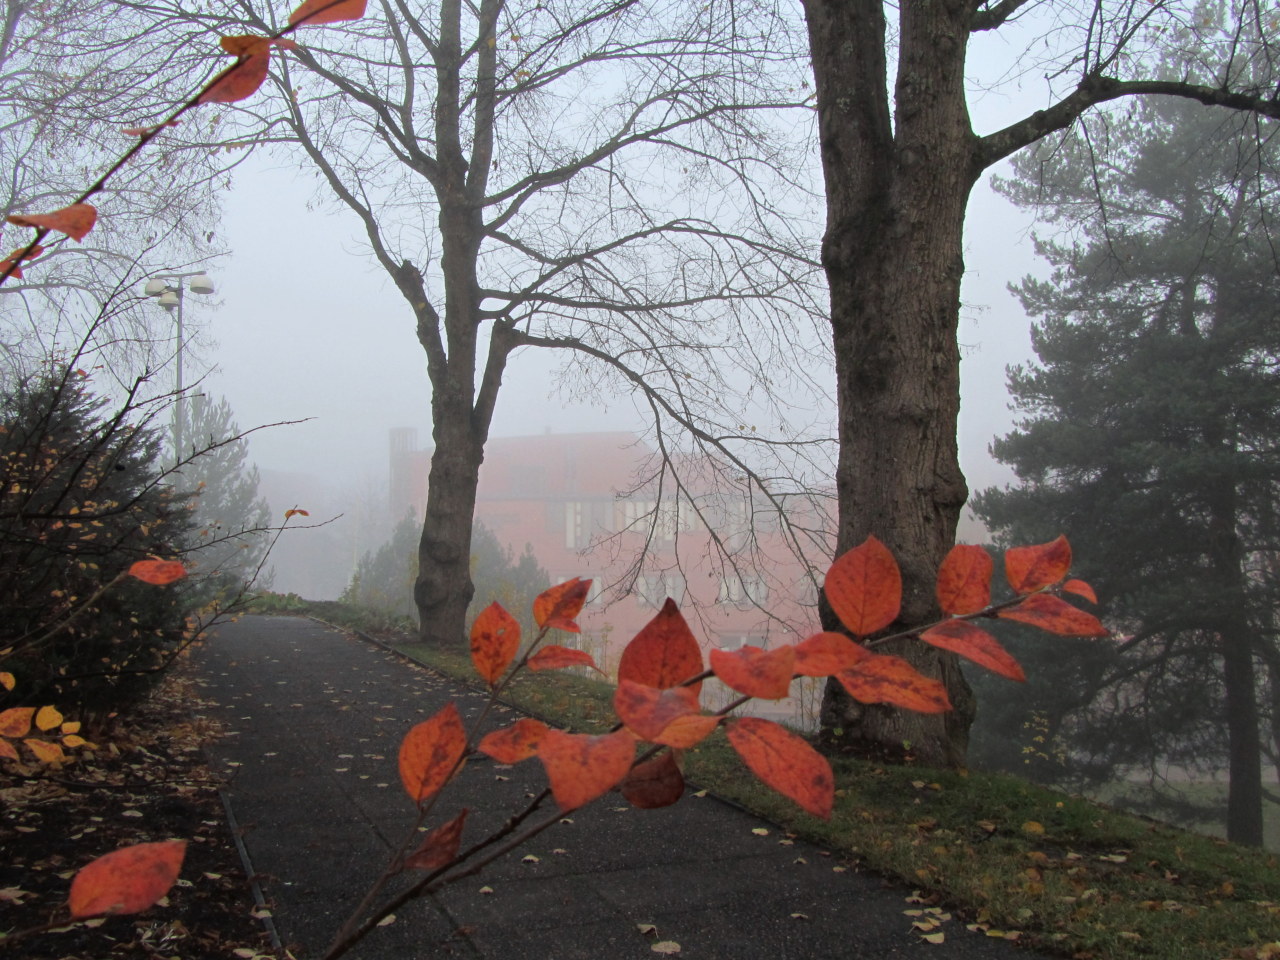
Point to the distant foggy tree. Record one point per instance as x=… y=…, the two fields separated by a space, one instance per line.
x=232 y=521
x=899 y=165
x=613 y=178
x=73 y=75
x=1152 y=438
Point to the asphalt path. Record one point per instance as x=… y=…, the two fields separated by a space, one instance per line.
x=313 y=719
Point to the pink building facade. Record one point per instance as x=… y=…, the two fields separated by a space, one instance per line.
x=575 y=500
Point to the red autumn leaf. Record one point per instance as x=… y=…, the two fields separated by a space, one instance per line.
x=1080 y=589
x=1055 y=615
x=75 y=221
x=964 y=580
x=430 y=753
x=16 y=721
x=439 y=846
x=315 y=12
x=765 y=674
x=495 y=638
x=554 y=657
x=886 y=679
x=826 y=653
x=237 y=82
x=128 y=880
x=654 y=783
x=7 y=752
x=516 y=742
x=648 y=710
x=972 y=643
x=14 y=259
x=1030 y=568
x=664 y=653
x=558 y=605
x=864 y=588
x=582 y=767
x=786 y=763
x=158 y=572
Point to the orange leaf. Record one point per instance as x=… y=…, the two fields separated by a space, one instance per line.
x=864 y=588
x=582 y=767
x=238 y=81
x=7 y=752
x=1030 y=568
x=886 y=679
x=46 y=752
x=7 y=680
x=495 y=638
x=296 y=512
x=554 y=657
x=1055 y=615
x=128 y=880
x=158 y=572
x=516 y=742
x=47 y=718
x=786 y=763
x=439 y=846
x=826 y=653
x=649 y=711
x=972 y=643
x=654 y=783
x=756 y=672
x=964 y=580
x=688 y=731
x=664 y=652
x=75 y=221
x=315 y=12
x=430 y=753
x=16 y=721
x=1081 y=589
x=558 y=605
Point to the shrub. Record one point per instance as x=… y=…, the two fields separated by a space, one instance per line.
x=81 y=499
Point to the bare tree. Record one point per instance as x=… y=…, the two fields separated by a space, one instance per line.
x=622 y=179
x=899 y=167
x=73 y=76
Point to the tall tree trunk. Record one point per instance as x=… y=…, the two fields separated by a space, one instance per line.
x=893 y=255
x=444 y=589
x=1235 y=640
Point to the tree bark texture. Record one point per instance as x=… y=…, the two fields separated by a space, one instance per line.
x=897 y=193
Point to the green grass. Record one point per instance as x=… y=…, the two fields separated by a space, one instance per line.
x=1062 y=872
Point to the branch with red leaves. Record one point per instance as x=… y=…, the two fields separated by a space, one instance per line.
x=660 y=677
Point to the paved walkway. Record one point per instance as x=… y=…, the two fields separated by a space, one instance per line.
x=314 y=722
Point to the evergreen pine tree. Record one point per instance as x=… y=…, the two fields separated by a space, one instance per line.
x=231 y=519
x=1150 y=439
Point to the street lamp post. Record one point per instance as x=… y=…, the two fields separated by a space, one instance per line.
x=168 y=288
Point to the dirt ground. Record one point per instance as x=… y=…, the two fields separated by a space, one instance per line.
x=145 y=781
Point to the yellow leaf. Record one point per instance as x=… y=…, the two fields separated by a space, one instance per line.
x=71 y=726
x=936 y=937
x=669 y=947
x=47 y=718
x=46 y=752
x=6 y=680
x=1034 y=827
x=74 y=740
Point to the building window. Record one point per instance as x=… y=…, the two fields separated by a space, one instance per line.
x=743 y=591
x=652 y=590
